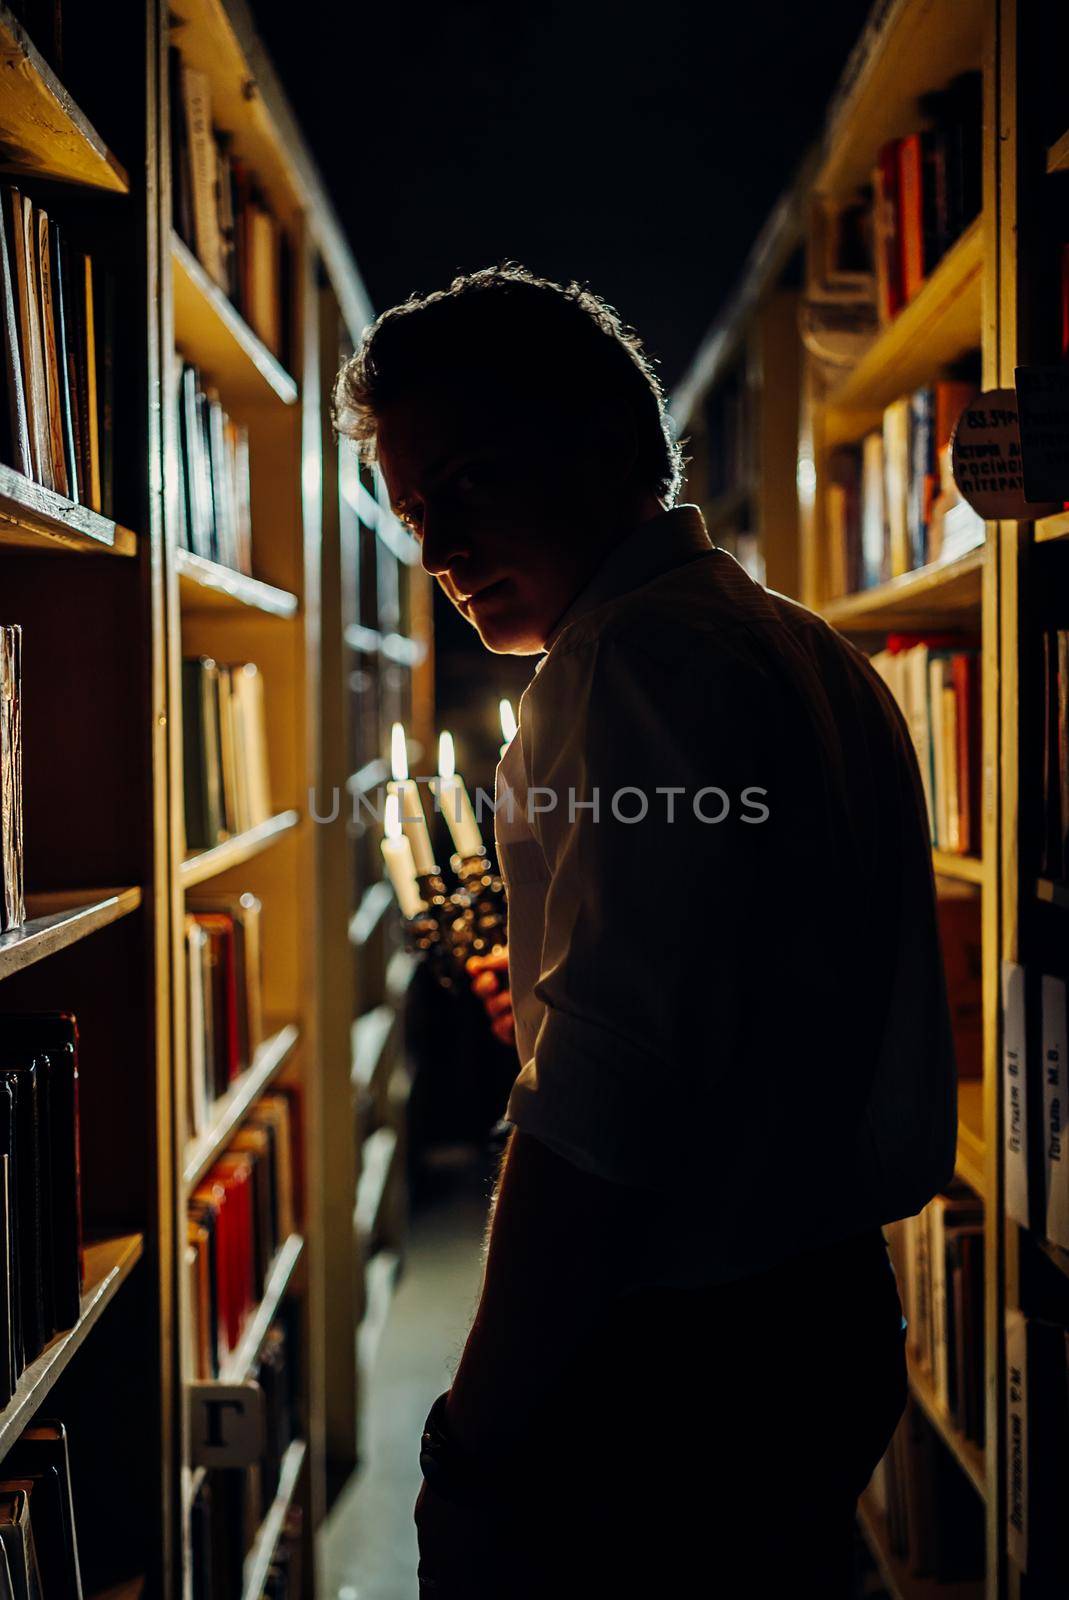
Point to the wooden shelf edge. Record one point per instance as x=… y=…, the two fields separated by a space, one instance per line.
x=370 y=1035
x=283 y=1267
x=374 y=903
x=55 y=926
x=258 y=1560
x=966 y=869
x=884 y=606
x=1058 y=155
x=210 y=586
x=1046 y=529
x=266 y=368
x=40 y=518
x=376 y=1165
x=56 y=125
x=108 y=1263
x=969 y=1456
x=380 y=1280
x=205 y=864
x=230 y=1109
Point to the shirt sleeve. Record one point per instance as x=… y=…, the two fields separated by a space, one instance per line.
x=653 y=794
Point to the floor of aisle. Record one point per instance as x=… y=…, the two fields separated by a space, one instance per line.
x=370 y=1545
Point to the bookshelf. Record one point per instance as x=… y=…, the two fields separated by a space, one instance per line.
x=109 y=875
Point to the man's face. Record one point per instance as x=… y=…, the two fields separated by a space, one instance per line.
x=501 y=519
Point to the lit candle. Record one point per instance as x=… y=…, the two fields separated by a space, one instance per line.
x=453 y=801
x=508 y=724
x=397 y=854
x=413 y=822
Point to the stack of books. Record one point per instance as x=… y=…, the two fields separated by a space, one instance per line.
x=221 y=213
x=230 y=1505
x=892 y=504
x=936 y=681
x=1054 y=857
x=239 y=1217
x=38 y=1541
x=215 y=510
x=41 y=1266
x=939 y=1262
x=224 y=741
x=56 y=320
x=224 y=975
x=927 y=189
x=934 y=1517
x=12 y=901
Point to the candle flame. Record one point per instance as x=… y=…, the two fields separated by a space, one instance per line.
x=398 y=752
x=508 y=720
x=447 y=763
x=391 y=817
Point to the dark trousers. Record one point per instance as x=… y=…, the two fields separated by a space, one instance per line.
x=714 y=1442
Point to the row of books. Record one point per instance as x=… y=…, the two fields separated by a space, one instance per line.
x=38 y=1538
x=936 y=683
x=1054 y=850
x=239 y=1217
x=224 y=974
x=12 y=899
x=56 y=318
x=41 y=1267
x=933 y=1516
x=215 y=495
x=230 y=1505
x=939 y=1263
x=1035 y=1084
x=1037 y=1435
x=221 y=212
x=892 y=504
x=927 y=189
x=224 y=743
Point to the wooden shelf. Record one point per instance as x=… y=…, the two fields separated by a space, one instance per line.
x=230 y=1109
x=380 y=1280
x=107 y=1264
x=370 y=1036
x=969 y=1456
x=1049 y=528
x=376 y=1165
x=944 y=595
x=243 y=1360
x=42 y=131
x=965 y=869
x=1058 y=154
x=940 y=324
x=207 y=586
x=901 y=1584
x=60 y=918
x=374 y=904
x=971 y=1160
x=205 y=864
x=212 y=333
x=35 y=518
x=1053 y=894
x=258 y=1560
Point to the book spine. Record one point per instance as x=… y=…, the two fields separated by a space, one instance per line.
x=56 y=455
x=18 y=426
x=1015 y=1105
x=1055 y=1103
x=1017 y=1439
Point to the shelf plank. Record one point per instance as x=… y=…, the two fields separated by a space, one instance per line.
x=376 y=1164
x=208 y=586
x=107 y=1264
x=205 y=864
x=944 y=594
x=370 y=1035
x=42 y=131
x=940 y=324
x=380 y=1280
x=971 y=1160
x=37 y=518
x=258 y=1561
x=243 y=1360
x=1049 y=528
x=374 y=904
x=1058 y=154
x=900 y=1582
x=60 y=918
x=212 y=333
x=969 y=1456
x=965 y=869
x=232 y=1107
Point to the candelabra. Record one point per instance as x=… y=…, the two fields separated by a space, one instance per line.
x=457 y=924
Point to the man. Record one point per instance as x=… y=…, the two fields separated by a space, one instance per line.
x=735 y=1058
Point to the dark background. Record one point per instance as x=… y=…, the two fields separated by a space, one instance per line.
x=637 y=152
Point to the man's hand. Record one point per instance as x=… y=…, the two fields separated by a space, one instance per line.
x=489 y=975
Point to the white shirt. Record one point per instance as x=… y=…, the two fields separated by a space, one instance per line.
x=745 y=1017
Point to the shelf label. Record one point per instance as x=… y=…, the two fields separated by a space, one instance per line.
x=985 y=452
x=226 y=1424
x=1043 y=406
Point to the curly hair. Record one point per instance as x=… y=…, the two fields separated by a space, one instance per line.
x=563 y=347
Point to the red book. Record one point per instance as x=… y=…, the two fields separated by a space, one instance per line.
x=220 y=928
x=210 y=1196
x=235 y=1172
x=911 y=213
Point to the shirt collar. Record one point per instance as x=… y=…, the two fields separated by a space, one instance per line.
x=655 y=547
